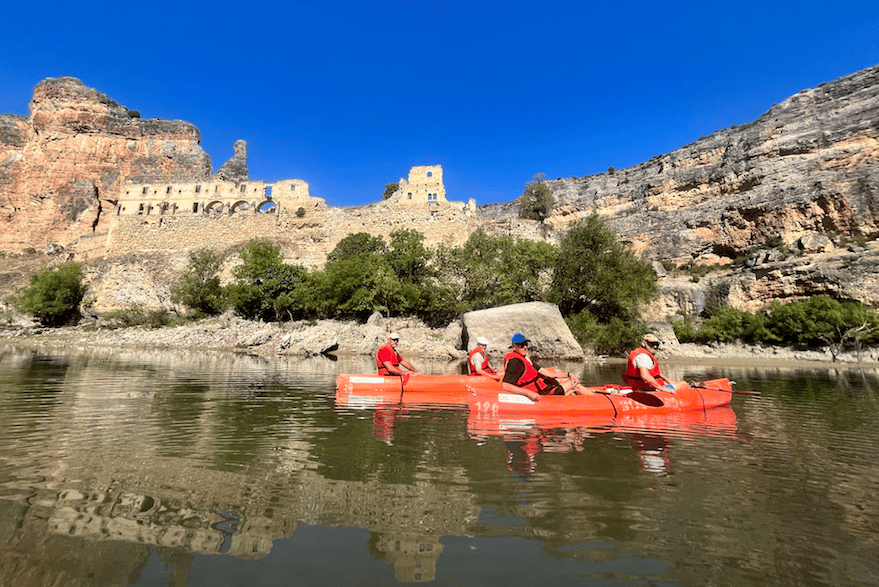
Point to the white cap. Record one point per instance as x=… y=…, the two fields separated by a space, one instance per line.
x=482 y=340
x=394 y=336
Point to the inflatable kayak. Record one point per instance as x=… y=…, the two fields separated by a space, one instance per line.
x=608 y=401
x=358 y=390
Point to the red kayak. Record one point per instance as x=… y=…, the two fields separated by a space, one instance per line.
x=360 y=390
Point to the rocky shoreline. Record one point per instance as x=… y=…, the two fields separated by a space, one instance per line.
x=229 y=333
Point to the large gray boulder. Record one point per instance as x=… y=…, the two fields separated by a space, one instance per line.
x=542 y=323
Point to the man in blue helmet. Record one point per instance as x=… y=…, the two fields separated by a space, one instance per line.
x=522 y=376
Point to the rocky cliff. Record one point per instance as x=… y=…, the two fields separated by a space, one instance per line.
x=793 y=198
x=783 y=207
x=60 y=166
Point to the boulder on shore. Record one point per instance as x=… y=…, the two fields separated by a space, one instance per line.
x=542 y=323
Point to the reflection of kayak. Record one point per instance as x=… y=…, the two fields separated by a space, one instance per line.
x=718 y=421
x=360 y=390
x=604 y=401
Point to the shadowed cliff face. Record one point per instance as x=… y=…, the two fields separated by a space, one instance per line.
x=59 y=166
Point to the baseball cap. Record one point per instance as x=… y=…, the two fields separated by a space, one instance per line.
x=519 y=338
x=394 y=336
x=651 y=338
x=482 y=340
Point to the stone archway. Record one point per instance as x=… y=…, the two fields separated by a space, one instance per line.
x=267 y=207
x=215 y=207
x=240 y=206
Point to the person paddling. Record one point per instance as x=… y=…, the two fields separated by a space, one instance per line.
x=477 y=361
x=522 y=376
x=388 y=360
x=642 y=368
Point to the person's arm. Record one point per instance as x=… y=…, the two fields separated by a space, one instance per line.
x=657 y=383
x=648 y=378
x=408 y=365
x=477 y=360
x=559 y=375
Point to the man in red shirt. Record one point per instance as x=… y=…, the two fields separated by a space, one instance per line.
x=388 y=360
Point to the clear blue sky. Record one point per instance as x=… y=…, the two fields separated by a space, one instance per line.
x=349 y=95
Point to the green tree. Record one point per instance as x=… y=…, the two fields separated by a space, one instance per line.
x=390 y=190
x=613 y=338
x=199 y=286
x=492 y=271
x=268 y=289
x=358 y=279
x=53 y=295
x=536 y=201
x=595 y=272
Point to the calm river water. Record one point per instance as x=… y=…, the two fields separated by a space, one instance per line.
x=158 y=468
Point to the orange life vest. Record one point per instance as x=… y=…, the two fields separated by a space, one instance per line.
x=471 y=368
x=382 y=370
x=530 y=379
x=632 y=376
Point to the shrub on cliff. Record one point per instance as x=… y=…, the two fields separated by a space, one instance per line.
x=199 y=287
x=596 y=273
x=53 y=295
x=536 y=201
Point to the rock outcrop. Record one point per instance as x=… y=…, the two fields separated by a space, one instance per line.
x=235 y=169
x=60 y=167
x=540 y=322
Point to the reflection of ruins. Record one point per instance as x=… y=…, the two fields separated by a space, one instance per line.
x=202 y=519
x=144 y=468
x=84 y=501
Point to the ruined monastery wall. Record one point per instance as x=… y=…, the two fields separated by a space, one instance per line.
x=223 y=215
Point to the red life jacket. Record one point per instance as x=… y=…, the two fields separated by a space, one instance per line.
x=530 y=379
x=471 y=368
x=632 y=376
x=382 y=370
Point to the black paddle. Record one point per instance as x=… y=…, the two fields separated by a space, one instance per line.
x=740 y=392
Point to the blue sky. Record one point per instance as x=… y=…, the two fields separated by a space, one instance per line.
x=349 y=95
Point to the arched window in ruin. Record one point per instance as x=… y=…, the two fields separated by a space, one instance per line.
x=215 y=207
x=267 y=207
x=430 y=174
x=240 y=206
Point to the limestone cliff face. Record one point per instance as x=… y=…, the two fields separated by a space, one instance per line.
x=810 y=164
x=802 y=182
x=60 y=165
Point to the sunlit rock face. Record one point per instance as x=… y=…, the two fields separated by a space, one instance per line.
x=60 y=168
x=810 y=164
x=801 y=183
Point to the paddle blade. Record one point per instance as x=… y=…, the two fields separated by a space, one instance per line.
x=648 y=399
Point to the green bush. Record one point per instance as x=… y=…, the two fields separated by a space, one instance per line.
x=616 y=337
x=490 y=271
x=136 y=315
x=268 y=289
x=595 y=272
x=53 y=295
x=199 y=287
